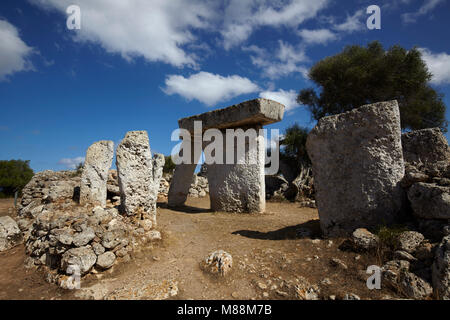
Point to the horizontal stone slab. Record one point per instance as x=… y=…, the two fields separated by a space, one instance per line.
x=246 y=114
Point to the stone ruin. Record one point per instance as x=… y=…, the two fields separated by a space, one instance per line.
x=358 y=165
x=68 y=223
x=367 y=174
x=232 y=187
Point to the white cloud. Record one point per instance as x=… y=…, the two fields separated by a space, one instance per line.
x=208 y=88
x=426 y=7
x=352 y=23
x=156 y=30
x=287 y=98
x=285 y=61
x=438 y=64
x=319 y=36
x=71 y=163
x=242 y=17
x=14 y=53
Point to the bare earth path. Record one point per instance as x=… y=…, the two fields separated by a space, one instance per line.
x=269 y=259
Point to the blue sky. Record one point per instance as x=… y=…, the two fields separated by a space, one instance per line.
x=142 y=65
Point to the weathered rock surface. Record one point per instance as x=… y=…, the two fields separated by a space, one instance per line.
x=409 y=241
x=84 y=258
x=426 y=146
x=139 y=175
x=413 y=286
x=430 y=201
x=95 y=173
x=10 y=234
x=106 y=260
x=441 y=269
x=363 y=240
x=391 y=271
x=357 y=165
x=218 y=262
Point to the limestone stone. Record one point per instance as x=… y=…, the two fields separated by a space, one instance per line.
x=106 y=260
x=441 y=269
x=413 y=286
x=10 y=234
x=430 y=201
x=240 y=187
x=409 y=241
x=246 y=114
x=357 y=166
x=83 y=257
x=363 y=239
x=139 y=175
x=425 y=146
x=95 y=173
x=218 y=262
x=84 y=237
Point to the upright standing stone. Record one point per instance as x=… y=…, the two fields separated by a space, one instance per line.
x=139 y=175
x=357 y=165
x=237 y=187
x=95 y=173
x=10 y=234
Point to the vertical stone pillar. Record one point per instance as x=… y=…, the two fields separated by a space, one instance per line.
x=183 y=177
x=240 y=187
x=95 y=173
x=138 y=175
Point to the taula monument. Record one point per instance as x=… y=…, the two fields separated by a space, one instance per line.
x=234 y=186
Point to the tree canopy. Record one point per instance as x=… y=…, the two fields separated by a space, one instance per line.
x=169 y=166
x=362 y=75
x=14 y=175
x=294 y=147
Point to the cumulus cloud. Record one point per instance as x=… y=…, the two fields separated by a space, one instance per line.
x=352 y=23
x=208 y=88
x=438 y=64
x=427 y=6
x=156 y=30
x=71 y=163
x=241 y=18
x=319 y=36
x=287 y=98
x=286 y=60
x=14 y=53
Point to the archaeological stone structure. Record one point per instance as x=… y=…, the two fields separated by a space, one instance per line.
x=357 y=165
x=237 y=187
x=98 y=160
x=139 y=175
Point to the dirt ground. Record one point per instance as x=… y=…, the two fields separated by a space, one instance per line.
x=269 y=259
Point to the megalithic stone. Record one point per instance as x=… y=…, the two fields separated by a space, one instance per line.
x=357 y=164
x=237 y=187
x=139 y=175
x=98 y=160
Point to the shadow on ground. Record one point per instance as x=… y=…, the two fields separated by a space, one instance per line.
x=184 y=208
x=286 y=233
